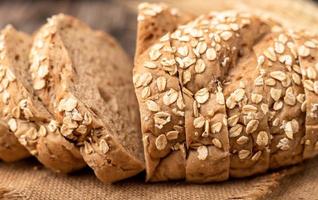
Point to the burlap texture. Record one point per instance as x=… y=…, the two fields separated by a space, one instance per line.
x=29 y=180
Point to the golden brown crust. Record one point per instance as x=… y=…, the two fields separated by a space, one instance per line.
x=253 y=63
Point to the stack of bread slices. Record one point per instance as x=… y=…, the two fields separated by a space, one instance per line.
x=219 y=95
x=67 y=98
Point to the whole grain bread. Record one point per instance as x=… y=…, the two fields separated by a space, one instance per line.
x=88 y=88
x=25 y=116
x=230 y=83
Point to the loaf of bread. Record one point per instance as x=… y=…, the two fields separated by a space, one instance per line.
x=87 y=84
x=224 y=94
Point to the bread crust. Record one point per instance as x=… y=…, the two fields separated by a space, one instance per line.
x=240 y=72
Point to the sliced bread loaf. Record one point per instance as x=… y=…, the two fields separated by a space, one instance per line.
x=87 y=84
x=198 y=56
x=25 y=115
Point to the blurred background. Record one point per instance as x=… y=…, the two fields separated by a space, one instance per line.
x=118 y=17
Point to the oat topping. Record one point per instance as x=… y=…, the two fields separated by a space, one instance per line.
x=270 y=54
x=172 y=135
x=278 y=75
x=161 y=142
x=216 y=128
x=150 y=65
x=170 y=97
x=275 y=93
x=152 y=106
x=67 y=104
x=262 y=139
x=216 y=142
x=198 y=122
x=243 y=154
x=146 y=92
x=199 y=66
x=202 y=95
x=236 y=130
x=303 y=51
x=211 y=54
x=12 y=123
x=232 y=121
x=103 y=146
x=252 y=126
x=242 y=140
x=283 y=144
x=256 y=98
x=202 y=152
x=161 y=83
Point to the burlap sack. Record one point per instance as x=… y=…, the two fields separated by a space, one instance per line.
x=29 y=180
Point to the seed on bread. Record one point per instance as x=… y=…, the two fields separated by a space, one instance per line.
x=216 y=142
x=12 y=123
x=242 y=140
x=303 y=51
x=103 y=146
x=243 y=154
x=152 y=106
x=202 y=152
x=262 y=139
x=161 y=142
x=202 y=95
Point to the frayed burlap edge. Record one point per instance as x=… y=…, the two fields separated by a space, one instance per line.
x=7 y=193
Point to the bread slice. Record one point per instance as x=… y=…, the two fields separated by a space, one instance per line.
x=25 y=116
x=281 y=82
x=247 y=122
x=159 y=94
x=307 y=50
x=10 y=148
x=88 y=87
